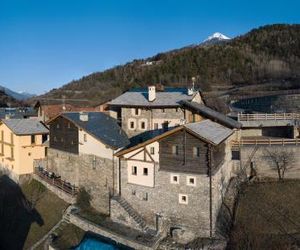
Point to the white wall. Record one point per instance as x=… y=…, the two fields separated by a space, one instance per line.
x=140 y=178
x=93 y=146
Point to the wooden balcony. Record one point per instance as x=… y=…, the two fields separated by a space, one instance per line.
x=56 y=181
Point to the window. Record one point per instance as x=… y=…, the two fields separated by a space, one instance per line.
x=152 y=150
x=174 y=179
x=29 y=154
x=84 y=137
x=44 y=138
x=132 y=125
x=145 y=196
x=134 y=170
x=183 y=199
x=69 y=125
x=165 y=126
x=196 y=152
x=235 y=155
x=57 y=125
x=143 y=124
x=55 y=139
x=32 y=139
x=175 y=150
x=163 y=110
x=136 y=111
x=191 y=181
x=155 y=125
x=145 y=171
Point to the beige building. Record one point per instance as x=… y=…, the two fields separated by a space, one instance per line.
x=22 y=142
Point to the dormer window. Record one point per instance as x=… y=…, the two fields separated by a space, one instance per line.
x=136 y=111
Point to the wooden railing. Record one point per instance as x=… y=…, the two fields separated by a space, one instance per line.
x=266 y=141
x=53 y=180
x=264 y=117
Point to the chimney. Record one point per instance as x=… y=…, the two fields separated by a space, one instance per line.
x=151 y=93
x=84 y=117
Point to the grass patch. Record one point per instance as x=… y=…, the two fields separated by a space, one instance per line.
x=49 y=207
x=93 y=215
x=268 y=216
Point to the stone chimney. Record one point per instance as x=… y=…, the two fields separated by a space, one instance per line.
x=151 y=93
x=84 y=117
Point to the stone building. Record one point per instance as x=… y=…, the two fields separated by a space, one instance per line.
x=151 y=109
x=82 y=148
x=175 y=179
x=22 y=142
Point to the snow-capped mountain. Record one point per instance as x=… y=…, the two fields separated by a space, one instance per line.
x=16 y=95
x=216 y=38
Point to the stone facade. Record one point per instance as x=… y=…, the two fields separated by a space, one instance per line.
x=93 y=173
x=162 y=203
x=153 y=119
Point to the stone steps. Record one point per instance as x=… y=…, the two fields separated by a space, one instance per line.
x=134 y=214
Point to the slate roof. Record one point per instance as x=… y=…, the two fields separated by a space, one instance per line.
x=139 y=97
x=207 y=130
x=101 y=126
x=25 y=126
x=210 y=131
x=212 y=114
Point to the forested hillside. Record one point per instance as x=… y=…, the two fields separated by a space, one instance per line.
x=270 y=53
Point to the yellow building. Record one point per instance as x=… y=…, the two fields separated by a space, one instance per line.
x=21 y=142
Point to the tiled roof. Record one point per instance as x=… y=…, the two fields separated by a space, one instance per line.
x=210 y=131
x=25 y=126
x=212 y=114
x=53 y=110
x=101 y=126
x=139 y=97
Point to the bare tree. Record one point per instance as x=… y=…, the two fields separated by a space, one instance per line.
x=280 y=159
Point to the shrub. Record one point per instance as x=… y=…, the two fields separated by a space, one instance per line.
x=83 y=199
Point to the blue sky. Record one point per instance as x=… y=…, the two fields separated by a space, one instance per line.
x=47 y=43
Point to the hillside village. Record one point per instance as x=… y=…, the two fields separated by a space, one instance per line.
x=156 y=162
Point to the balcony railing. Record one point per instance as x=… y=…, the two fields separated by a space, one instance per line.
x=265 y=117
x=56 y=181
x=266 y=141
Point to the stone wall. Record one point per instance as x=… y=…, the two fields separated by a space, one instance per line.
x=93 y=173
x=150 y=116
x=162 y=200
x=97 y=229
x=60 y=193
x=119 y=215
x=265 y=167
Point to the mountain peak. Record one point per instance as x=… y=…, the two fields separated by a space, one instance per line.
x=217 y=36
